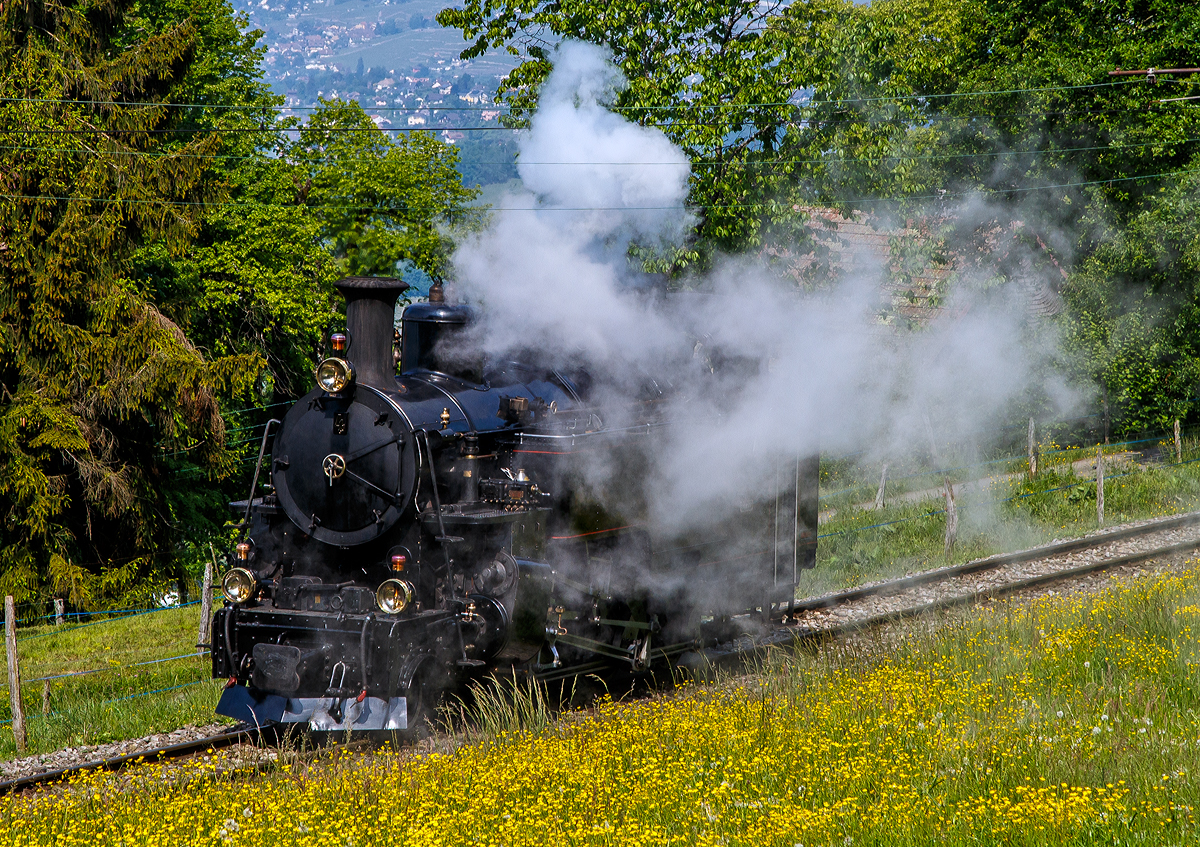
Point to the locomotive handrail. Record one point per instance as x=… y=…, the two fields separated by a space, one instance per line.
x=643 y=427
x=443 y=539
x=262 y=450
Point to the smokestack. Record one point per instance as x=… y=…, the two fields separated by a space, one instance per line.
x=370 y=317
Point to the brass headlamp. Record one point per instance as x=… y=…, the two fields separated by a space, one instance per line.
x=238 y=585
x=394 y=596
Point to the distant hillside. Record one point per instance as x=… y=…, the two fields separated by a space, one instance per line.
x=397 y=62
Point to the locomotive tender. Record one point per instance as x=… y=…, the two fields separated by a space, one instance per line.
x=428 y=522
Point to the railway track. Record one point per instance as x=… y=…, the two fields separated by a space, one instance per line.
x=845 y=612
x=840 y=613
x=171 y=751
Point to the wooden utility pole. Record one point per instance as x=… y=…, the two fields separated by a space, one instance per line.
x=1033 y=450
x=1100 y=484
x=879 y=494
x=14 y=673
x=1178 y=445
x=951 y=517
x=60 y=606
x=206 y=602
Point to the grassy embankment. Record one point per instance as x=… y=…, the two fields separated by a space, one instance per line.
x=1069 y=721
x=1009 y=514
x=92 y=709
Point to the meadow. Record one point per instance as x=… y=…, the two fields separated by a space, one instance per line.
x=1067 y=721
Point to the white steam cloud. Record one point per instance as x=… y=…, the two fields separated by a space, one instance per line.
x=553 y=276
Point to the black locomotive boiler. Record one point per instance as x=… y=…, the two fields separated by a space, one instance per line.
x=426 y=523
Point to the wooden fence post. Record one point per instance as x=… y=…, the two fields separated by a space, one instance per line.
x=951 y=518
x=60 y=607
x=1033 y=450
x=1100 y=484
x=206 y=602
x=45 y=696
x=1178 y=445
x=882 y=483
x=14 y=673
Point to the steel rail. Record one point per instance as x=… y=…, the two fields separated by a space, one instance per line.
x=171 y=751
x=793 y=635
x=904 y=583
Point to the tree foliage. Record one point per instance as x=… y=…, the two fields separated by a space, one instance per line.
x=706 y=73
x=167 y=245
x=381 y=202
x=94 y=377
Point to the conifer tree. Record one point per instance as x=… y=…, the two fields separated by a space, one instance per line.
x=94 y=379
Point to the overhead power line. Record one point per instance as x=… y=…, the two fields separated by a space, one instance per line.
x=698 y=206
x=1158 y=142
x=670 y=124
x=683 y=104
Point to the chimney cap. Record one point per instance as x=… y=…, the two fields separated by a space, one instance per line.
x=371 y=283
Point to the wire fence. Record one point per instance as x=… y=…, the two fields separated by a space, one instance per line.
x=1024 y=495
x=1012 y=459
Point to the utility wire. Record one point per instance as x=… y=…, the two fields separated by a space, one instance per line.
x=677 y=208
x=667 y=124
x=693 y=162
x=802 y=104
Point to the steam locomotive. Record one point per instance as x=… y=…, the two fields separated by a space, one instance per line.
x=430 y=518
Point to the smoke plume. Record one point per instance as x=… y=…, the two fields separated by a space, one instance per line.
x=552 y=275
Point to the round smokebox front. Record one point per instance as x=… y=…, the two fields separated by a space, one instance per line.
x=344 y=467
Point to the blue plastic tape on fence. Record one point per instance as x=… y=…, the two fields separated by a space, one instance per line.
x=156 y=691
x=101 y=612
x=200 y=654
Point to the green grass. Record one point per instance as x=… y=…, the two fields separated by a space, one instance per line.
x=80 y=709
